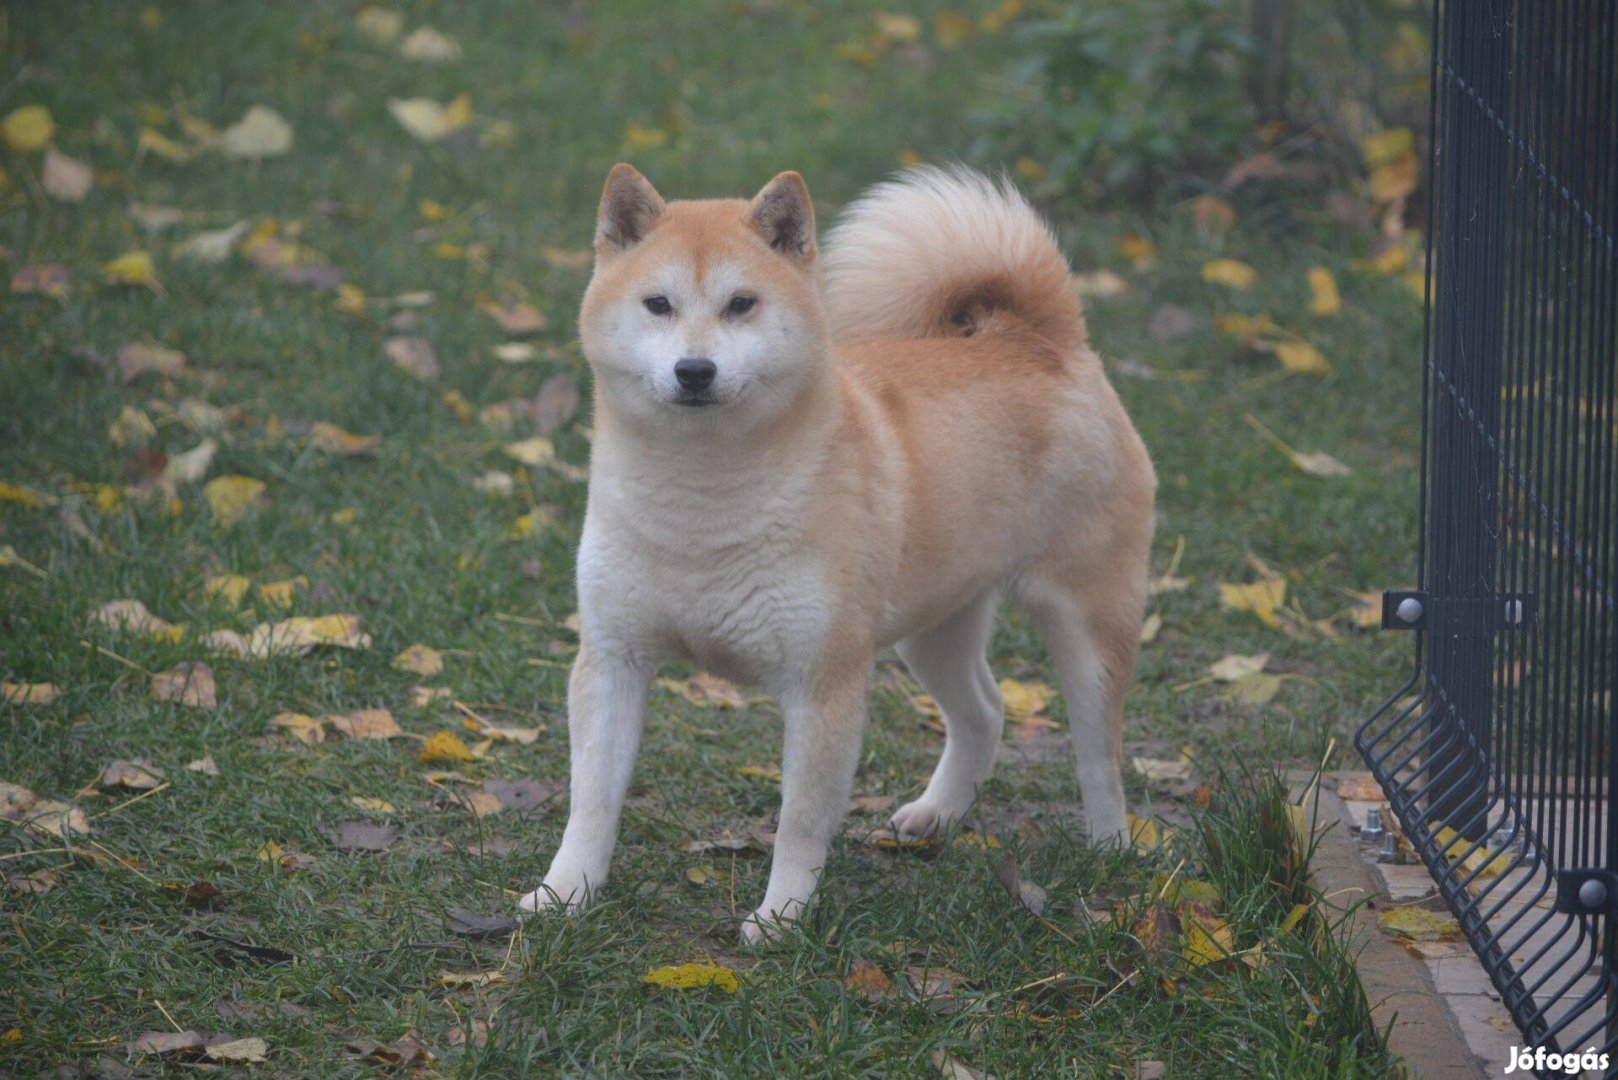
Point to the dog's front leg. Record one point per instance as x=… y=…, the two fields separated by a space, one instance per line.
x=824 y=727
x=606 y=710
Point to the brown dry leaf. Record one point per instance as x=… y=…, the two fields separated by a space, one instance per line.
x=515 y=352
x=399 y=1053
x=231 y=497
x=412 y=355
x=1026 y=894
x=871 y=804
x=47 y=817
x=953 y=1069
x=424 y=660
x=444 y=746
x=135 y=359
x=1212 y=215
x=534 y=453
x=1361 y=786
x=300 y=726
x=422 y=696
x=1157 y=928
x=708 y=691
x=38 y=881
x=557 y=401
x=1150 y=1069
x=362 y=836
x=365 y=724
x=523 y=736
x=482 y=804
x=868 y=981
x=240 y=1051
x=131 y=616
x=1163 y=768
x=516 y=320
x=167 y=1042
x=520 y=795
x=189 y=682
x=64 y=179
x=334 y=440
x=136 y=774
x=28 y=693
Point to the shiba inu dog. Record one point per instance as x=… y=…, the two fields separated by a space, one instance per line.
x=800 y=459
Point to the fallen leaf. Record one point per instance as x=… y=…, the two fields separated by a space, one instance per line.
x=444 y=746
x=131 y=268
x=1100 y=285
x=1474 y=858
x=334 y=440
x=131 y=617
x=395 y=1054
x=231 y=497
x=34 y=883
x=1324 y=297
x=205 y=765
x=425 y=43
x=1319 y=464
x=137 y=774
x=372 y=805
x=1140 y=251
x=1419 y=924
x=1234 y=666
x=64 y=179
x=211 y=246
x=428 y=121
x=28 y=693
x=534 y=453
x=516 y=352
x=1150 y=1069
x=1261 y=598
x=1301 y=358
x=1024 y=699
x=229 y=588
x=1144 y=835
x=189 y=682
x=871 y=804
x=135 y=359
x=167 y=1042
x=953 y=1069
x=1231 y=273
x=189 y=466
x=517 y=320
x=1171 y=323
x=688 y=976
x=495 y=482
x=1361 y=786
x=421 y=659
x=473 y=979
x=519 y=795
x=422 y=696
x=27 y=128
x=362 y=836
x=47 y=279
x=1257 y=689
x=298 y=635
x=1027 y=895
x=557 y=401
x=1162 y=768
x=483 y=805
x=300 y=726
x=707 y=691
x=478 y=927
x=379 y=25
x=47 y=817
x=260 y=133
x=1150 y=628
x=242 y=1051
x=365 y=724
x=1212 y=216
x=868 y=981
x=1208 y=938
x=412 y=355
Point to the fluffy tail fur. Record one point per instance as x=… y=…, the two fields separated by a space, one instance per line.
x=945 y=253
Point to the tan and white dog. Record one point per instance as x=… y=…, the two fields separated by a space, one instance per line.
x=796 y=465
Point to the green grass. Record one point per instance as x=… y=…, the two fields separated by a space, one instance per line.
x=741 y=92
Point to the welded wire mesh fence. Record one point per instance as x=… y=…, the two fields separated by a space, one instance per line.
x=1499 y=756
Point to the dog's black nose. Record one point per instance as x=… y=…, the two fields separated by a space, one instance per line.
x=695 y=373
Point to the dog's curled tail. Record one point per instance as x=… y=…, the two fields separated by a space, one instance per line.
x=946 y=252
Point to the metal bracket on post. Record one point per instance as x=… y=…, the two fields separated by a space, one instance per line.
x=1413 y=609
x=1587 y=892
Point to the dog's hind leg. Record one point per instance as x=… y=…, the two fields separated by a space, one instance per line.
x=1089 y=610
x=951 y=663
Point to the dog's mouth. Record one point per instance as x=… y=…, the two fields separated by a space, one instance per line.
x=697 y=400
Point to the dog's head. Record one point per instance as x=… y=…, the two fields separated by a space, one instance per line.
x=703 y=309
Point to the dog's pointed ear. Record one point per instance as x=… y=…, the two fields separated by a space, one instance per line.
x=784 y=215
x=630 y=206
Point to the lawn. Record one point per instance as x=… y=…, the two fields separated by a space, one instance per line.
x=436 y=533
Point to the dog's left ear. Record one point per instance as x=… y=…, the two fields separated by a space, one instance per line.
x=784 y=215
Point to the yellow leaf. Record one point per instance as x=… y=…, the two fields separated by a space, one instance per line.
x=1419 y=924
x=533 y=452
x=1319 y=464
x=688 y=976
x=444 y=746
x=1365 y=610
x=131 y=616
x=638 y=137
x=39 y=693
x=27 y=128
x=1025 y=699
x=227 y=587
x=434 y=211
x=1324 y=297
x=293 y=637
x=365 y=724
x=1483 y=862
x=1394 y=180
x=1258 y=689
x=154 y=142
x=1231 y=273
x=12 y=493
x=430 y=45
x=760 y=772
x=350 y=300
x=374 y=805
x=281 y=593
x=421 y=659
x=1249 y=328
x=1144 y=834
x=1294 y=917
x=427 y=120
x=134 y=268
x=1029 y=169
x=300 y=726
x=230 y=497
x=1233 y=667
x=903 y=28
x=1208 y=938
x=379 y=25
x=334 y=440
x=953 y=29
x=1301 y=358
x=1151 y=628
x=1138 y=250
x=1261 y=598
x=270 y=851
x=345 y=517
x=1384 y=146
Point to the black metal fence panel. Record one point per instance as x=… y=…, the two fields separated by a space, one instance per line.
x=1499 y=757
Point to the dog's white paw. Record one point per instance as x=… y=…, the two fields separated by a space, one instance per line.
x=555 y=897
x=925 y=817
x=760 y=928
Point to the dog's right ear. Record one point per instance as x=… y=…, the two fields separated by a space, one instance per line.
x=630 y=206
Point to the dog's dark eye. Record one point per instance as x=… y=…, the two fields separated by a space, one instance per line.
x=741 y=305
x=658 y=305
